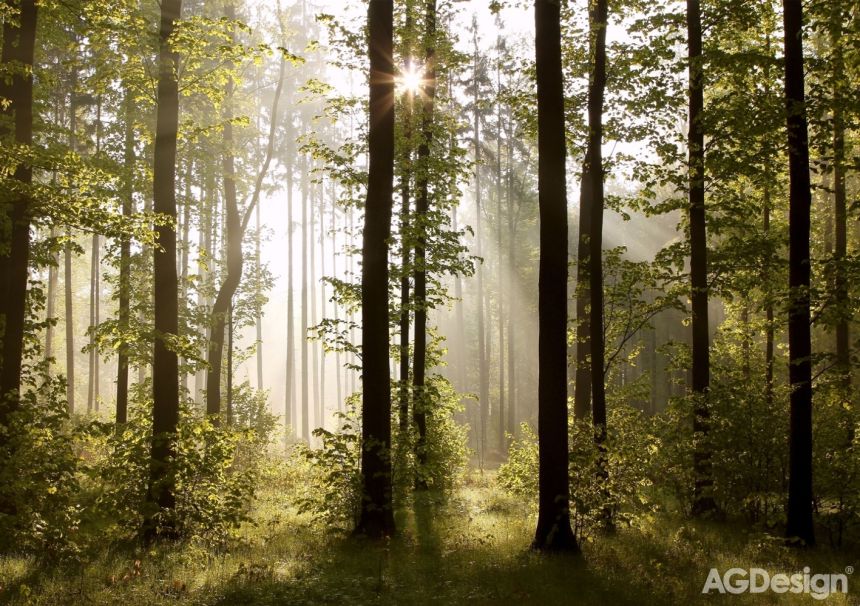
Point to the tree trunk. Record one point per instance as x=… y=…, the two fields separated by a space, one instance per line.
x=405 y=194
x=376 y=517
x=843 y=351
x=799 y=523
x=420 y=403
x=499 y=264
x=165 y=364
x=553 y=531
x=483 y=370
x=593 y=174
x=703 y=501
x=18 y=49
x=67 y=261
x=125 y=266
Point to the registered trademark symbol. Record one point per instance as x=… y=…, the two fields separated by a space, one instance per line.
x=849 y=570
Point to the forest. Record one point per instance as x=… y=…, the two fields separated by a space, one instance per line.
x=429 y=301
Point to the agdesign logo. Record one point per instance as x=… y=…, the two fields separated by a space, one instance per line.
x=759 y=580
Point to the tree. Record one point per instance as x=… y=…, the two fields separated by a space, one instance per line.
x=377 y=517
x=419 y=361
x=703 y=501
x=165 y=363
x=592 y=186
x=16 y=123
x=553 y=531
x=799 y=522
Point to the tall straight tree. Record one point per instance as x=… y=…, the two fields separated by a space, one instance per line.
x=16 y=123
x=483 y=370
x=125 y=264
x=165 y=363
x=377 y=517
x=419 y=360
x=703 y=501
x=592 y=186
x=553 y=531
x=799 y=523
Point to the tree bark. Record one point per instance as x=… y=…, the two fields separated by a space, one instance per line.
x=420 y=405
x=376 y=516
x=799 y=523
x=703 y=501
x=165 y=363
x=19 y=37
x=125 y=266
x=553 y=531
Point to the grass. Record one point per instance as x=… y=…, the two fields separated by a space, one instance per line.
x=472 y=549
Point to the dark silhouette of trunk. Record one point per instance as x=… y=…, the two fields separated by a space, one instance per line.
x=553 y=531
x=499 y=265
x=420 y=404
x=19 y=38
x=125 y=267
x=67 y=259
x=592 y=177
x=703 y=501
x=405 y=256
x=799 y=523
x=236 y=225
x=376 y=517
x=483 y=370
x=512 y=263
x=93 y=382
x=51 y=299
x=165 y=364
x=843 y=351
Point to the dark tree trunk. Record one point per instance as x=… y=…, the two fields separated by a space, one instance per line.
x=290 y=383
x=376 y=517
x=799 y=523
x=553 y=531
x=703 y=501
x=67 y=260
x=592 y=174
x=19 y=38
x=306 y=423
x=125 y=267
x=405 y=195
x=843 y=348
x=499 y=265
x=420 y=405
x=165 y=363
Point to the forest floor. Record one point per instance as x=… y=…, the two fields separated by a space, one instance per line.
x=472 y=549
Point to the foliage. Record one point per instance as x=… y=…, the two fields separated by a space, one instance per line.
x=624 y=495
x=217 y=469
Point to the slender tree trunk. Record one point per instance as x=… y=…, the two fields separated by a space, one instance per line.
x=306 y=424
x=376 y=516
x=236 y=224
x=67 y=261
x=165 y=364
x=843 y=351
x=16 y=123
x=420 y=403
x=51 y=297
x=322 y=304
x=125 y=266
x=405 y=253
x=499 y=265
x=799 y=523
x=593 y=173
x=703 y=501
x=289 y=398
x=512 y=290
x=553 y=531
x=483 y=370
x=314 y=280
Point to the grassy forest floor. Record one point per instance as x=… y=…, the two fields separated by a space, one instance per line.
x=473 y=549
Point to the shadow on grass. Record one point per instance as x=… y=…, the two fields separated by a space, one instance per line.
x=436 y=558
